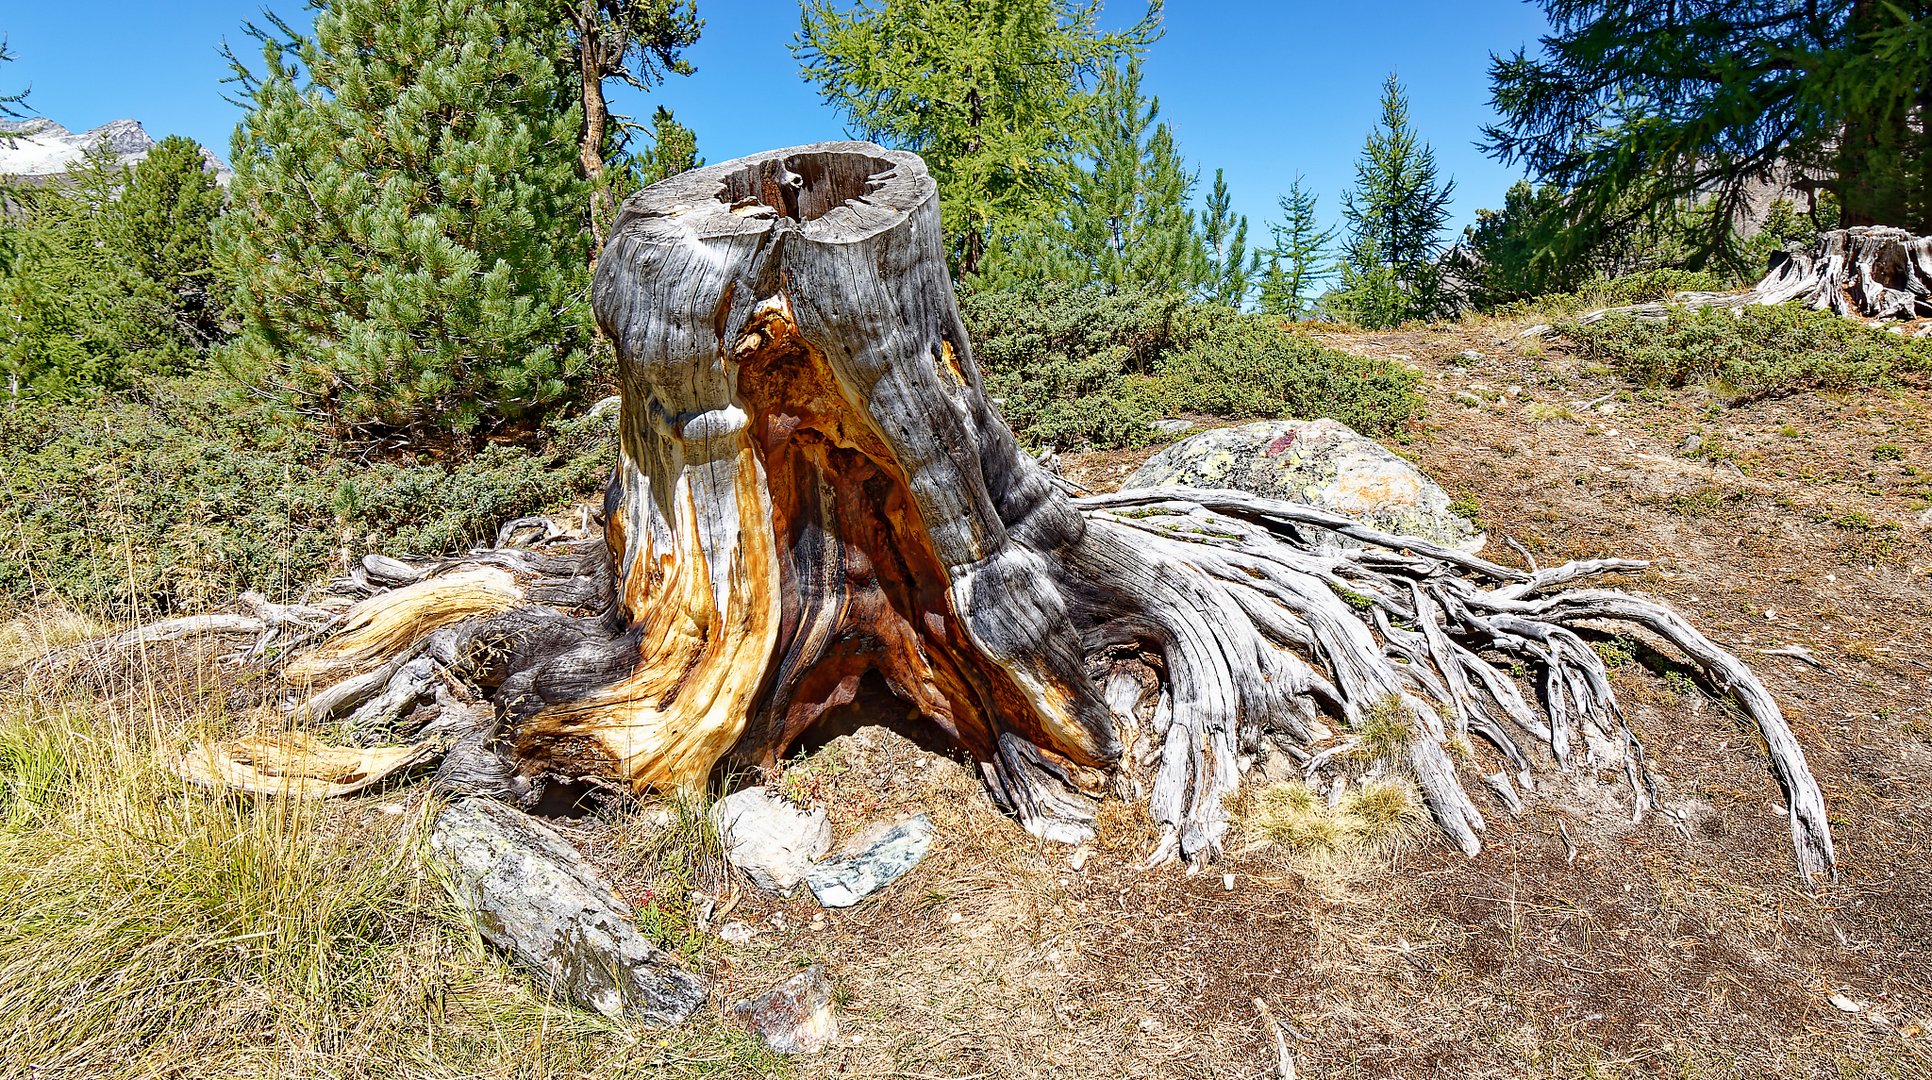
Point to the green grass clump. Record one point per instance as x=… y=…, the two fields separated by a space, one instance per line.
x=1750 y=354
x=1384 y=730
x=1079 y=367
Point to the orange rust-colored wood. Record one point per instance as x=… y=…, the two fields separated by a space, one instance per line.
x=842 y=514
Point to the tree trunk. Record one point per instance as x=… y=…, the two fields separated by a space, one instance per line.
x=590 y=143
x=818 y=514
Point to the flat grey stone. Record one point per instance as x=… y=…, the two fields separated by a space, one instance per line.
x=770 y=839
x=1317 y=463
x=794 y=1017
x=533 y=896
x=870 y=862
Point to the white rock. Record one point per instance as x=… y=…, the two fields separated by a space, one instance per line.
x=1843 y=1003
x=771 y=840
x=735 y=932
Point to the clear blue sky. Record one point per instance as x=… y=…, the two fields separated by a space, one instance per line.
x=1261 y=89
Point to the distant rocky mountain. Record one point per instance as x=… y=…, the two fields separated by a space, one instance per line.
x=42 y=150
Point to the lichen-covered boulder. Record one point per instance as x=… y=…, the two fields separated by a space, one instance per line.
x=1318 y=463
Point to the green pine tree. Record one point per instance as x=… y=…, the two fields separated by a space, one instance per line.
x=162 y=226
x=674 y=149
x=1128 y=219
x=1396 y=214
x=1297 y=261
x=989 y=92
x=1231 y=270
x=406 y=238
x=112 y=276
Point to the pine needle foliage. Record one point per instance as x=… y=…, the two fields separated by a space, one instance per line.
x=1396 y=215
x=407 y=238
x=991 y=93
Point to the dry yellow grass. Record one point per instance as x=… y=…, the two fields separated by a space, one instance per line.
x=148 y=929
x=1377 y=817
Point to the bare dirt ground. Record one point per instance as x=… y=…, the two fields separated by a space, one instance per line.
x=1791 y=522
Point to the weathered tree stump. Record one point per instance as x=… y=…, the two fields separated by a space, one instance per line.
x=1870 y=273
x=818 y=510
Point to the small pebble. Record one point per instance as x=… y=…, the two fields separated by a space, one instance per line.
x=1227 y=882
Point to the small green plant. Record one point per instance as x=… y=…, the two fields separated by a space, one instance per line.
x=808 y=779
x=1888 y=452
x=1466 y=506
x=1358 y=601
x=1615 y=653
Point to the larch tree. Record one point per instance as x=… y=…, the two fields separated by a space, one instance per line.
x=1232 y=270
x=406 y=237
x=991 y=93
x=1298 y=257
x=1635 y=110
x=1396 y=214
x=1127 y=207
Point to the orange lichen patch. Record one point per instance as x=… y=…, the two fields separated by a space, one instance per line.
x=699 y=663
x=297 y=765
x=388 y=623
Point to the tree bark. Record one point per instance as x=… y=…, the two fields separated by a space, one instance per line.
x=818 y=513
x=590 y=144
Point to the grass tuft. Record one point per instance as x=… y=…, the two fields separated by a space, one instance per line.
x=1384 y=730
x=1377 y=817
